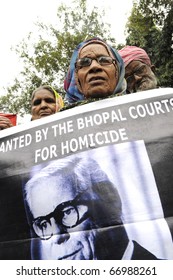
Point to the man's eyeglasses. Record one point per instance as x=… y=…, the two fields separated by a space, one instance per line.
x=65 y=215
x=138 y=71
x=86 y=61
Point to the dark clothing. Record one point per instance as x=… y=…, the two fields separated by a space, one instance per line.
x=140 y=253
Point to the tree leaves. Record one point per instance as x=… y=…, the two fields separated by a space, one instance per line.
x=150 y=27
x=46 y=57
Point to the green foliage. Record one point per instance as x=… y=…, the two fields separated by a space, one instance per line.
x=157 y=8
x=46 y=58
x=139 y=27
x=165 y=59
x=150 y=27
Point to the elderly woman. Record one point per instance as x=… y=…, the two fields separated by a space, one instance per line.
x=45 y=101
x=96 y=71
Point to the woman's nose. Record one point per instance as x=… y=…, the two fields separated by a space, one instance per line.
x=95 y=64
x=43 y=104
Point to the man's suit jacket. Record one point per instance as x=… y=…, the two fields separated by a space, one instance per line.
x=140 y=253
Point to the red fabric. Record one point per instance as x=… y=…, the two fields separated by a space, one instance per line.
x=11 y=117
x=130 y=53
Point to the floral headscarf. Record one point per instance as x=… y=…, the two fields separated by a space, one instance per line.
x=70 y=86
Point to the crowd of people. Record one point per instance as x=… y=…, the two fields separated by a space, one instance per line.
x=68 y=227
x=96 y=71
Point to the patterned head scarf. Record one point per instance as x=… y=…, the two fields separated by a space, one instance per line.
x=130 y=53
x=70 y=86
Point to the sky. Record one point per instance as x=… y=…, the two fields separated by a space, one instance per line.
x=18 y=18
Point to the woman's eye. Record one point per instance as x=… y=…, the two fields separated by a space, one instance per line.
x=49 y=100
x=37 y=102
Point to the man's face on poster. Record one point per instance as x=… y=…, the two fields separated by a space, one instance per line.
x=61 y=221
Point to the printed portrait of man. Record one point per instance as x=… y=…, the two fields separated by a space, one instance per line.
x=76 y=211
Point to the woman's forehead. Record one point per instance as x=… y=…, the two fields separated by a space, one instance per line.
x=42 y=93
x=94 y=49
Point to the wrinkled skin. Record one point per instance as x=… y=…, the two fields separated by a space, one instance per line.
x=139 y=80
x=96 y=80
x=43 y=104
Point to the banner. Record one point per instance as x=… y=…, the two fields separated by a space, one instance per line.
x=90 y=182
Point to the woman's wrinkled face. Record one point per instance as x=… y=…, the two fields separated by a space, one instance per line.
x=97 y=79
x=43 y=104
